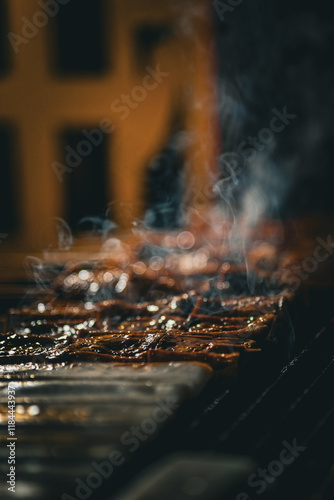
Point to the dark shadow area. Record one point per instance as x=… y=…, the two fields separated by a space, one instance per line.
x=86 y=184
x=80 y=38
x=4 y=42
x=8 y=200
x=278 y=55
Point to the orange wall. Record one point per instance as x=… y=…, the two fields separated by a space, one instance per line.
x=40 y=105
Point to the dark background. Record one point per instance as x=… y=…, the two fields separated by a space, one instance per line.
x=276 y=53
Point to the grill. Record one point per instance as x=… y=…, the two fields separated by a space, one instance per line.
x=173 y=429
x=175 y=338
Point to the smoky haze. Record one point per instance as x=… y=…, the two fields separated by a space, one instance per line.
x=276 y=57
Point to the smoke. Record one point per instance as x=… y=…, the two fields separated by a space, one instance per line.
x=275 y=95
x=275 y=55
x=64 y=233
x=101 y=226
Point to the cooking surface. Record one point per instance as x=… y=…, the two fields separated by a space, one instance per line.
x=69 y=417
x=213 y=345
